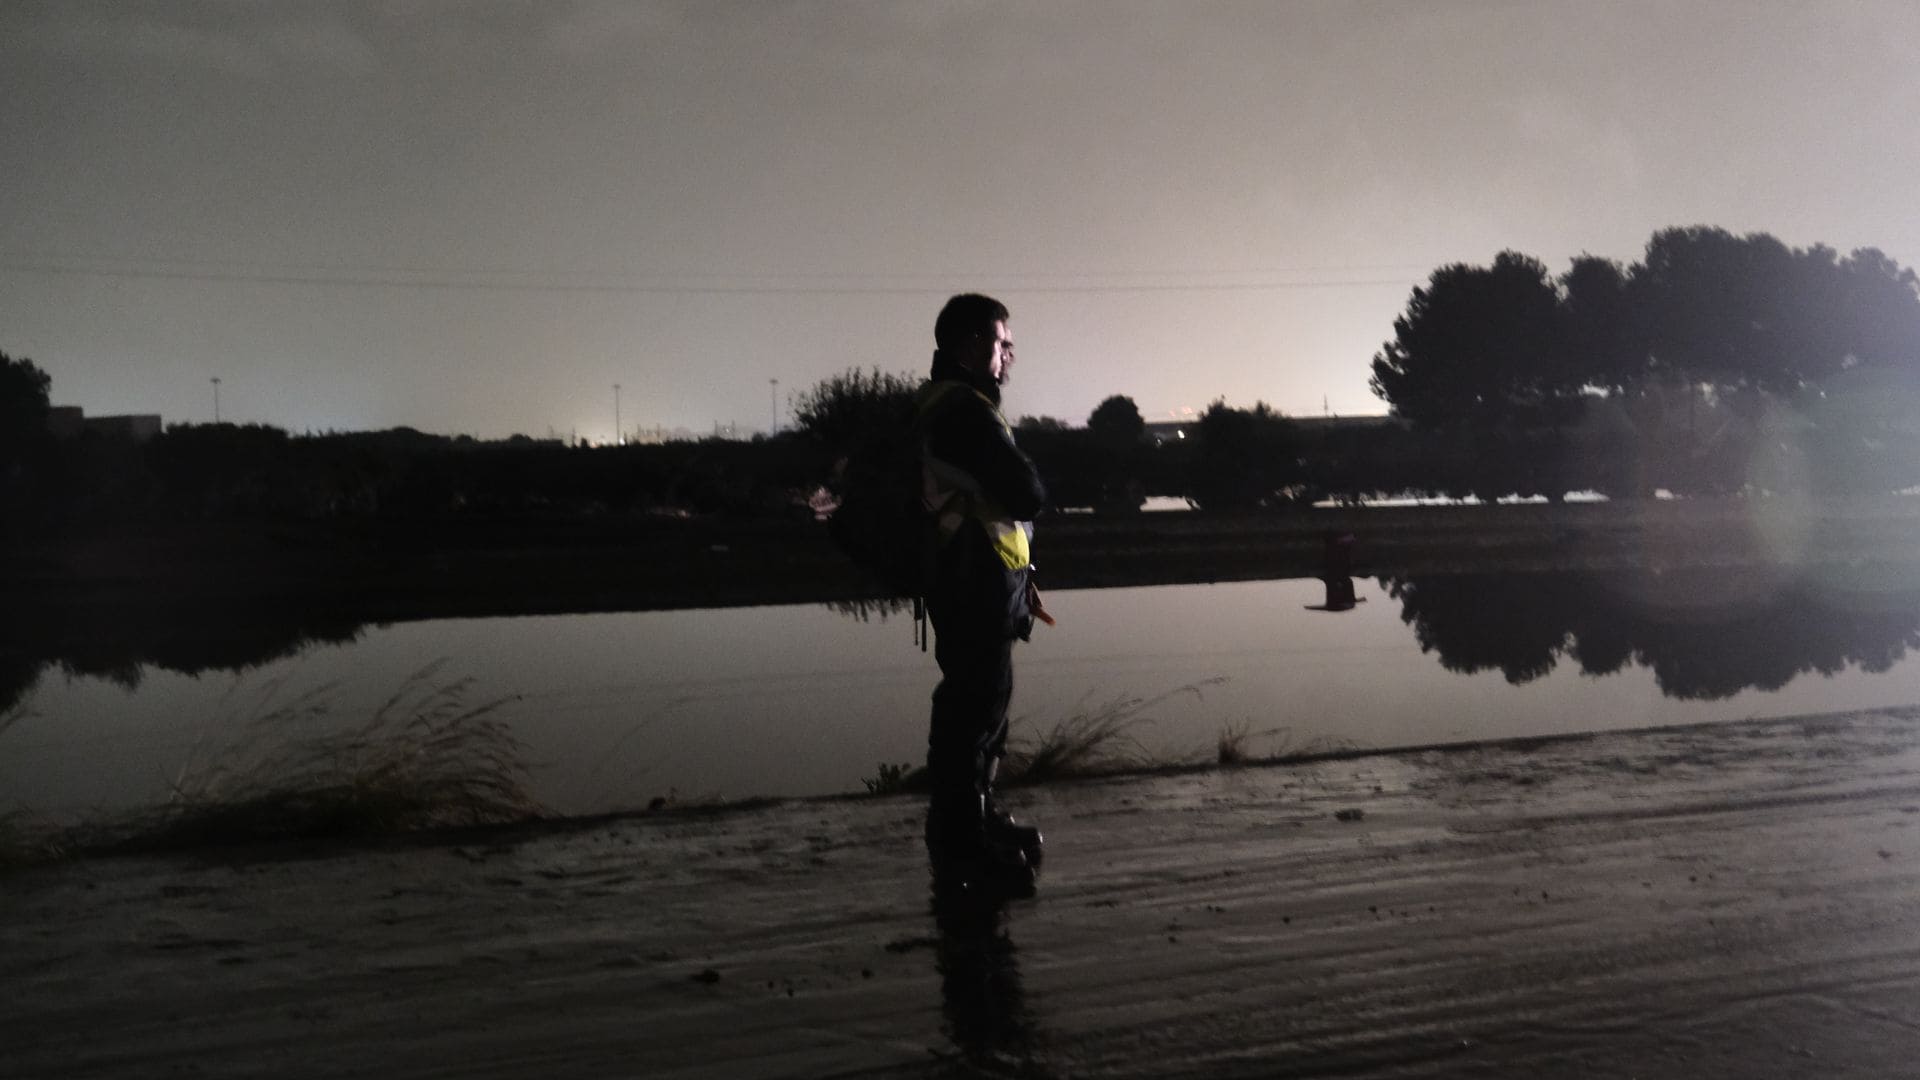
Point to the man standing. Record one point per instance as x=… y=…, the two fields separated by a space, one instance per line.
x=983 y=494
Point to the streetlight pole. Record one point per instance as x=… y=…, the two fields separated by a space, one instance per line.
x=618 y=439
x=216 y=398
x=773 y=404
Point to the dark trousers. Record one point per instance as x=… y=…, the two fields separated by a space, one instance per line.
x=968 y=734
x=978 y=611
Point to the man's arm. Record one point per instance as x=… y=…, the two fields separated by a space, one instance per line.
x=970 y=436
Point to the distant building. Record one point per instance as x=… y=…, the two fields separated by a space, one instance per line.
x=65 y=421
x=1166 y=431
x=71 y=422
x=1330 y=424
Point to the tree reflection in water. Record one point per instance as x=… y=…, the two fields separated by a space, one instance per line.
x=115 y=641
x=1705 y=634
x=870 y=610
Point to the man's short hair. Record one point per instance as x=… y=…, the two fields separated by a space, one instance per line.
x=966 y=316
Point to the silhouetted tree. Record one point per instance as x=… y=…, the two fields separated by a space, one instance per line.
x=1075 y=468
x=1478 y=345
x=27 y=462
x=1116 y=423
x=1041 y=423
x=217 y=470
x=1709 y=366
x=23 y=398
x=1880 y=302
x=842 y=409
x=1739 y=311
x=1247 y=459
x=1602 y=334
x=1115 y=463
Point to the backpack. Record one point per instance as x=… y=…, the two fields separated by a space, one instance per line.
x=881 y=523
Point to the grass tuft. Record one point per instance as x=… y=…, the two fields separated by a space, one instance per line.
x=1232 y=746
x=895 y=779
x=426 y=758
x=1091 y=742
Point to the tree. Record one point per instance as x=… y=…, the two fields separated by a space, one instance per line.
x=1739 y=311
x=842 y=410
x=24 y=441
x=1247 y=459
x=1602 y=335
x=1041 y=423
x=1880 y=303
x=23 y=398
x=1714 y=352
x=1116 y=422
x=1477 y=345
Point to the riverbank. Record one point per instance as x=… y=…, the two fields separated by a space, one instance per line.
x=1727 y=901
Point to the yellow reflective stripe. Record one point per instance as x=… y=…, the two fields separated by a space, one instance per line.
x=1010 y=542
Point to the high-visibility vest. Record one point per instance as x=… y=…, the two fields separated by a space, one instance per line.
x=952 y=495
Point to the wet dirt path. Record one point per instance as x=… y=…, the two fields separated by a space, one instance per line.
x=1737 y=901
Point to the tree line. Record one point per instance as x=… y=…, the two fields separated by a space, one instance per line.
x=227 y=471
x=1717 y=364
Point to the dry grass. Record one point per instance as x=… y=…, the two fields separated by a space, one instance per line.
x=1232 y=747
x=1093 y=741
x=890 y=779
x=426 y=758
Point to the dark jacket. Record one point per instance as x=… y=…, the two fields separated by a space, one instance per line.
x=971 y=583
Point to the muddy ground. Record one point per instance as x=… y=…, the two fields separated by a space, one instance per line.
x=1731 y=901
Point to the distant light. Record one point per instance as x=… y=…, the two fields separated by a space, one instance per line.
x=1179 y=434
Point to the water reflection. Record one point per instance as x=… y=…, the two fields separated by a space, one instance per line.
x=869 y=610
x=117 y=642
x=1704 y=634
x=1340 y=595
x=793 y=700
x=1336 y=574
x=982 y=997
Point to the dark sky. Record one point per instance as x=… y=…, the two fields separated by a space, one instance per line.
x=477 y=217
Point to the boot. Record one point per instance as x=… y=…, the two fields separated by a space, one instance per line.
x=1002 y=826
x=969 y=858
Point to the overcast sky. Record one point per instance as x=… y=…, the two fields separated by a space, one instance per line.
x=478 y=217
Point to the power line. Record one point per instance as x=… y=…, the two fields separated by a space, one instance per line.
x=111 y=261
x=448 y=284
x=801 y=284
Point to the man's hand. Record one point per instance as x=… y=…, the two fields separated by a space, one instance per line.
x=1034 y=605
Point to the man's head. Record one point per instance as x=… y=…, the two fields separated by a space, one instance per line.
x=972 y=330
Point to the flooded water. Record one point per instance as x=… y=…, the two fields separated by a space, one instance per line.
x=617 y=709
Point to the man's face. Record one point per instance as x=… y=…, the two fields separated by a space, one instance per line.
x=996 y=358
